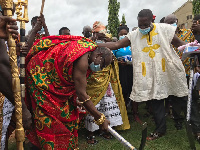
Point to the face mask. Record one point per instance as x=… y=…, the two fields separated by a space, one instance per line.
x=94 y=67
x=145 y=31
x=41 y=31
x=122 y=37
x=174 y=24
x=99 y=41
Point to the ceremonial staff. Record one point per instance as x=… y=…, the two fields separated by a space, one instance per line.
x=7 y=6
x=22 y=20
x=42 y=7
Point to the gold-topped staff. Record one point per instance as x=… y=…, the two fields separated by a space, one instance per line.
x=7 y=6
x=22 y=18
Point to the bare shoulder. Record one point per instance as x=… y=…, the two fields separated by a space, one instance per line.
x=81 y=62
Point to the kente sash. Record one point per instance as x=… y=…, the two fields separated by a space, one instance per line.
x=97 y=86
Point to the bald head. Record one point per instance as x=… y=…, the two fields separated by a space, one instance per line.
x=102 y=56
x=87 y=31
x=170 y=19
x=86 y=28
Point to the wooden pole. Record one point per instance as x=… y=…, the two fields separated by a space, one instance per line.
x=7 y=6
x=42 y=7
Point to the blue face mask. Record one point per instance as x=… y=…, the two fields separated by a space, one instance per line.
x=122 y=37
x=41 y=31
x=94 y=67
x=174 y=24
x=145 y=31
x=99 y=41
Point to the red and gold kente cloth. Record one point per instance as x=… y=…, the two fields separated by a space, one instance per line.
x=187 y=36
x=51 y=91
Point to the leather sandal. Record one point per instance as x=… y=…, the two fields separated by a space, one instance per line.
x=154 y=136
x=106 y=136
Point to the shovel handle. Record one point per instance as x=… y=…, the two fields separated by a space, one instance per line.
x=121 y=139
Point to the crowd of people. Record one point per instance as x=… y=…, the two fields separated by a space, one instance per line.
x=92 y=80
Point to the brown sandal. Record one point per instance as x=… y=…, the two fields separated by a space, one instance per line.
x=106 y=136
x=154 y=136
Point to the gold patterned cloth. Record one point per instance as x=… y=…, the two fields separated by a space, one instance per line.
x=97 y=85
x=187 y=36
x=2 y=97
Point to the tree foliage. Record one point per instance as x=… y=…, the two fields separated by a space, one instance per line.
x=196 y=7
x=113 y=17
x=123 y=20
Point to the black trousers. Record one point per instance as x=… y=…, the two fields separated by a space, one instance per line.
x=126 y=80
x=158 y=109
x=195 y=114
x=179 y=105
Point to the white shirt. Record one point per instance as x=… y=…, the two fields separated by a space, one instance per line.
x=157 y=70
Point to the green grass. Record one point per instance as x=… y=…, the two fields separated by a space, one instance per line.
x=173 y=140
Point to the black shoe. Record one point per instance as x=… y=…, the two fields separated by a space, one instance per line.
x=91 y=140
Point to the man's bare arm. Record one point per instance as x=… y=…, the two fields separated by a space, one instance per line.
x=33 y=32
x=116 y=45
x=31 y=39
x=177 y=42
x=79 y=76
x=44 y=25
x=46 y=31
x=5 y=73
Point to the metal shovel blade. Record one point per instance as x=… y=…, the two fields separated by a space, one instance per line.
x=144 y=136
x=190 y=136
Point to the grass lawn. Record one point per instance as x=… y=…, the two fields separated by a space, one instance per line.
x=173 y=140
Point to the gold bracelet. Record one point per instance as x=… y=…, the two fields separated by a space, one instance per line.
x=100 y=120
x=85 y=101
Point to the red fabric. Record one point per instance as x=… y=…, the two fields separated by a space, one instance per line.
x=51 y=91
